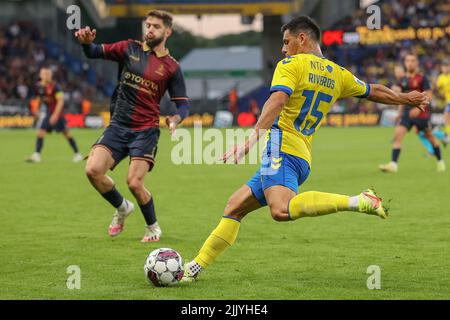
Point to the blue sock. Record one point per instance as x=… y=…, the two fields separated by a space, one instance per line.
x=395 y=155
x=39 y=144
x=73 y=144
x=148 y=211
x=114 y=197
x=427 y=144
x=437 y=153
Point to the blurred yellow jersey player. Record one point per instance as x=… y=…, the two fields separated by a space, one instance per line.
x=313 y=85
x=443 y=85
x=305 y=85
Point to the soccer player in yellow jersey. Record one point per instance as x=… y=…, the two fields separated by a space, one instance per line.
x=443 y=85
x=305 y=85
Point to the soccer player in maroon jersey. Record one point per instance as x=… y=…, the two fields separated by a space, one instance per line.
x=411 y=117
x=146 y=72
x=50 y=114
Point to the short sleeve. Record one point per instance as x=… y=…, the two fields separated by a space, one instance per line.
x=115 y=51
x=177 y=86
x=286 y=76
x=352 y=86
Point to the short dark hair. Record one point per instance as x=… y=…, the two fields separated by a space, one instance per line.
x=303 y=23
x=163 y=15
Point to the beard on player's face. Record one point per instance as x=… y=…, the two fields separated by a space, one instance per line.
x=154 y=42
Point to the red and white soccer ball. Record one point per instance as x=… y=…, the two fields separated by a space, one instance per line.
x=164 y=267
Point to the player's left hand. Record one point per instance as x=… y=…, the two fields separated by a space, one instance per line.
x=172 y=122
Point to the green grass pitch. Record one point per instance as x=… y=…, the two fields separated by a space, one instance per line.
x=52 y=218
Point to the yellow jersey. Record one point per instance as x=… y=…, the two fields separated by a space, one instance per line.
x=443 y=84
x=313 y=84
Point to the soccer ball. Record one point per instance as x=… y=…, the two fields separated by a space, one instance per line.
x=164 y=267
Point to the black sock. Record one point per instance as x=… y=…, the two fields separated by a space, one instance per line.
x=148 y=210
x=73 y=144
x=39 y=144
x=395 y=154
x=437 y=152
x=113 y=197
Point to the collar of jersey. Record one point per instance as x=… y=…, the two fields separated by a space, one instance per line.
x=159 y=54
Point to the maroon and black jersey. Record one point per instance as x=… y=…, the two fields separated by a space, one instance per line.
x=420 y=83
x=48 y=97
x=145 y=75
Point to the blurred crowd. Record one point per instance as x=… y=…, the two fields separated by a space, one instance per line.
x=23 y=51
x=376 y=64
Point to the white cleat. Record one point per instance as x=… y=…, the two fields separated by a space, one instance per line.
x=441 y=166
x=389 y=167
x=34 y=158
x=152 y=233
x=191 y=271
x=118 y=221
x=77 y=157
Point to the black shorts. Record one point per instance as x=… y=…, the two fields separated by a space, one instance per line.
x=420 y=124
x=44 y=124
x=122 y=142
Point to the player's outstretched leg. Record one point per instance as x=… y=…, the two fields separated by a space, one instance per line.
x=224 y=235
x=441 y=136
x=436 y=149
x=36 y=156
x=77 y=155
x=99 y=162
x=136 y=175
x=314 y=204
x=427 y=144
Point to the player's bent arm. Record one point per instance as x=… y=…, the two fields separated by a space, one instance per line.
x=382 y=94
x=271 y=110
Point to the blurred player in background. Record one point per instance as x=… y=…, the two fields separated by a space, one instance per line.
x=443 y=86
x=304 y=87
x=50 y=114
x=146 y=72
x=399 y=74
x=412 y=117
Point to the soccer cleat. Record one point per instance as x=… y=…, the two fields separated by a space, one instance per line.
x=118 y=221
x=191 y=271
x=389 y=167
x=34 y=158
x=77 y=157
x=441 y=166
x=152 y=233
x=369 y=203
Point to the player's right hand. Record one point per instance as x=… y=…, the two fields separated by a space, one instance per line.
x=86 y=35
x=418 y=99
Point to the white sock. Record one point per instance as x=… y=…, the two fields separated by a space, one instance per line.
x=123 y=206
x=153 y=225
x=353 y=203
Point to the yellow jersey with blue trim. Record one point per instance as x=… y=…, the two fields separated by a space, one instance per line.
x=313 y=84
x=443 y=84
